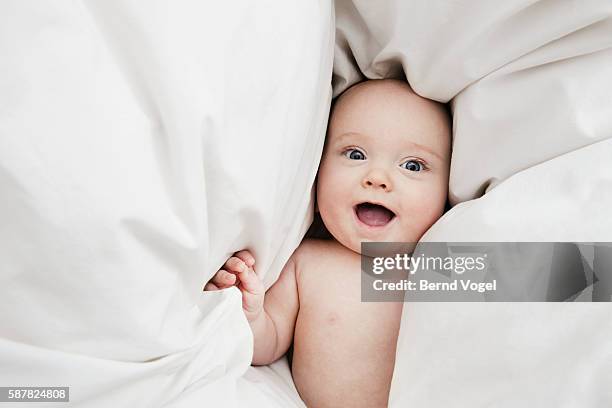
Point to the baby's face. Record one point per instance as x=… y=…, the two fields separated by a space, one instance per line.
x=384 y=171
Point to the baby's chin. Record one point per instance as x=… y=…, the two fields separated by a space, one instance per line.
x=404 y=244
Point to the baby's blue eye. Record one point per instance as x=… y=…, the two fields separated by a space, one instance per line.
x=412 y=165
x=354 y=154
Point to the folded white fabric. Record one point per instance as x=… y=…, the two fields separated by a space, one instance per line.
x=141 y=143
x=529 y=84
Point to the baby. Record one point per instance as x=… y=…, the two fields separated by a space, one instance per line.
x=383 y=177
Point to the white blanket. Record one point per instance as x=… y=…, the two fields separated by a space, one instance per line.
x=141 y=143
x=529 y=82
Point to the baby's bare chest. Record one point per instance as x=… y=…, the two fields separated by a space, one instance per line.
x=338 y=337
x=331 y=305
x=330 y=294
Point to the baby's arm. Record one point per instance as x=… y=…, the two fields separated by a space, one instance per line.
x=271 y=317
x=273 y=330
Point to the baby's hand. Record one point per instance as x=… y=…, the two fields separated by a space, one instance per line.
x=238 y=270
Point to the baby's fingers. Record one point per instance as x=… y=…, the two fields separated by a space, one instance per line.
x=223 y=279
x=235 y=265
x=246 y=256
x=210 y=286
x=249 y=280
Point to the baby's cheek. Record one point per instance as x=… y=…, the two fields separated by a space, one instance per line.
x=423 y=210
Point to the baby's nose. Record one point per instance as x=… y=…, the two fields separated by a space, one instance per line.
x=377 y=179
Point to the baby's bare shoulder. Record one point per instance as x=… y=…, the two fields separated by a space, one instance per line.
x=325 y=260
x=320 y=251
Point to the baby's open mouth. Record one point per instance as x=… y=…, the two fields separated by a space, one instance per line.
x=373 y=215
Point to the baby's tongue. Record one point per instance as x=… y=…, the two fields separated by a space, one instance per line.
x=373 y=215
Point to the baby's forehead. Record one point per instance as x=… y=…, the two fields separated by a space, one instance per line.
x=386 y=98
x=386 y=91
x=383 y=111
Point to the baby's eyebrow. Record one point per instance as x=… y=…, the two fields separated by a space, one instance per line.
x=345 y=135
x=348 y=134
x=426 y=149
